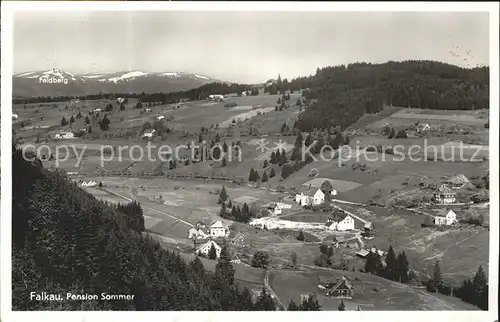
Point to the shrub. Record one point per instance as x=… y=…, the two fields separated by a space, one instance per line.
x=230 y=104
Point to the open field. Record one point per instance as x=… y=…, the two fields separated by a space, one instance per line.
x=405 y=116
x=290 y=285
x=460 y=250
x=339 y=185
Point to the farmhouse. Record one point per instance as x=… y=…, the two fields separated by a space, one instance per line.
x=64 y=135
x=89 y=184
x=205 y=248
x=97 y=110
x=198 y=233
x=148 y=109
x=218 y=229
x=339 y=241
x=459 y=181
x=445 y=217
x=149 y=133
x=276 y=208
x=444 y=195
x=422 y=127
x=160 y=117
x=216 y=98
x=340 y=221
x=342 y=289
x=239 y=240
x=310 y=197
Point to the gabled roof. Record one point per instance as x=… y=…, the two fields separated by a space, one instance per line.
x=239 y=235
x=310 y=191
x=458 y=179
x=218 y=224
x=444 y=212
x=337 y=215
x=368 y=225
x=343 y=281
x=445 y=190
x=209 y=244
x=362 y=253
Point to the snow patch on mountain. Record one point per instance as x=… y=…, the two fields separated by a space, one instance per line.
x=170 y=74
x=126 y=76
x=201 y=76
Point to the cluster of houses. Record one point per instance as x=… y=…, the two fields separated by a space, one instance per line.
x=215 y=231
x=446 y=194
x=312 y=197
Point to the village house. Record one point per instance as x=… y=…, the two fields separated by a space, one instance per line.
x=339 y=241
x=219 y=229
x=422 y=127
x=444 y=195
x=310 y=197
x=342 y=289
x=148 y=109
x=364 y=252
x=340 y=221
x=445 y=217
x=276 y=208
x=149 y=133
x=459 y=181
x=89 y=184
x=205 y=248
x=216 y=98
x=239 y=240
x=64 y=135
x=197 y=233
x=159 y=117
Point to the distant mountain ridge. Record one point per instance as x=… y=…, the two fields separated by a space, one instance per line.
x=61 y=83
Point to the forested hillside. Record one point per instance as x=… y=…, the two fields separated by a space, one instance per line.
x=345 y=93
x=198 y=93
x=64 y=240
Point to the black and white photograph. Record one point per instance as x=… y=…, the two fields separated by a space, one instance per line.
x=236 y=157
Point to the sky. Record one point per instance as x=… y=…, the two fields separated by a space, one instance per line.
x=245 y=47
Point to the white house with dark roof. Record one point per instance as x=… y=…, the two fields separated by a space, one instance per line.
x=445 y=217
x=340 y=221
x=205 y=248
x=310 y=197
x=219 y=229
x=444 y=195
x=197 y=233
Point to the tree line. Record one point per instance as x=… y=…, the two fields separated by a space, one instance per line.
x=345 y=93
x=198 y=93
x=473 y=291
